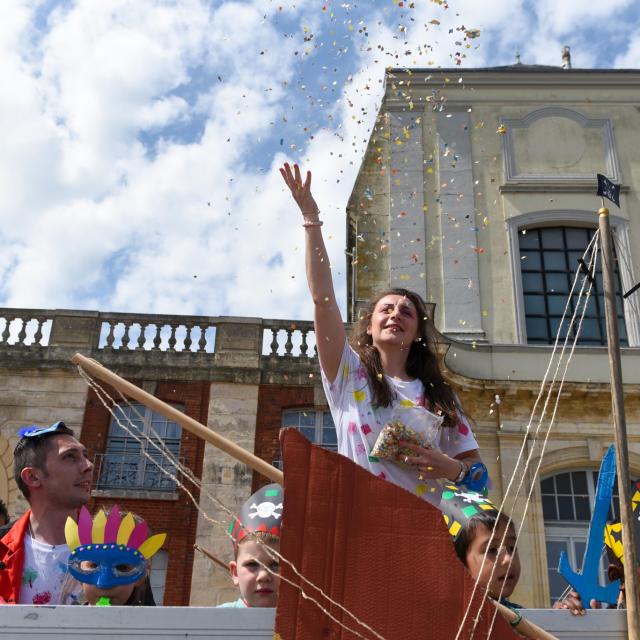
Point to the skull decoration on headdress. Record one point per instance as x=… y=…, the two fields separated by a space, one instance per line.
x=111 y=550
x=459 y=506
x=261 y=513
x=613 y=532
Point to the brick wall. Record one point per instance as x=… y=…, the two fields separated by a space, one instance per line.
x=272 y=401
x=178 y=518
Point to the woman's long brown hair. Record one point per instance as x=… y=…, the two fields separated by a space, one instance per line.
x=422 y=361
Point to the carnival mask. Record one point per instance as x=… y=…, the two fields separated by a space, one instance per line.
x=109 y=551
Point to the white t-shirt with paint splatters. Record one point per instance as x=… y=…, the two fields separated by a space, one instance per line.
x=45 y=574
x=358 y=424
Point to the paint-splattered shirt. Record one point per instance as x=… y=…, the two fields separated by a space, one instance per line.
x=45 y=574
x=358 y=423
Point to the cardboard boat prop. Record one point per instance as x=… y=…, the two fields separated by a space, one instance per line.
x=383 y=554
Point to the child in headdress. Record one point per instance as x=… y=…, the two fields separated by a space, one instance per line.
x=110 y=556
x=478 y=531
x=256 y=536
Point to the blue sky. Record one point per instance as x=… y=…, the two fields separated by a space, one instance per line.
x=142 y=137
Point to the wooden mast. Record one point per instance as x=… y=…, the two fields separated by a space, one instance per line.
x=131 y=391
x=620 y=429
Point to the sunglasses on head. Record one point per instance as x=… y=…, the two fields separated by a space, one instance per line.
x=33 y=430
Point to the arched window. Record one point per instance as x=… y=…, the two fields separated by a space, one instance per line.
x=315 y=425
x=548 y=262
x=567 y=502
x=124 y=464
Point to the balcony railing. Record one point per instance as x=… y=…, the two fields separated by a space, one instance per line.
x=130 y=333
x=133 y=472
x=25 y=327
x=284 y=338
x=142 y=332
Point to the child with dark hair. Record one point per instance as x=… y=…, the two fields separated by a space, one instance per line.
x=484 y=541
x=386 y=378
x=255 y=533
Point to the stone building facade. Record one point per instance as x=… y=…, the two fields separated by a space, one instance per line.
x=477 y=190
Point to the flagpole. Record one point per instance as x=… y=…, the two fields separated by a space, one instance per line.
x=620 y=428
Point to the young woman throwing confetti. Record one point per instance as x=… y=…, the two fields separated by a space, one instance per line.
x=385 y=377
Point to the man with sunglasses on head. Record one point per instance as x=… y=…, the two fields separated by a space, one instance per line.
x=54 y=474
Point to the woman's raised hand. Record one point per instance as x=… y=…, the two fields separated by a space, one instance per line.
x=300 y=191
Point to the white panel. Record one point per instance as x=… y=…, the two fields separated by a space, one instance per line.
x=197 y=623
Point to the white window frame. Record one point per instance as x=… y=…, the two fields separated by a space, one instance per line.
x=319 y=414
x=147 y=415
x=575 y=218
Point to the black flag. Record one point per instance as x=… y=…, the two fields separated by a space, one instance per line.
x=608 y=190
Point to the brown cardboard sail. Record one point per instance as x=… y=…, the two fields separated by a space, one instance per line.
x=380 y=552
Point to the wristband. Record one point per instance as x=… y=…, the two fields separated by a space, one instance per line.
x=312 y=223
x=477 y=477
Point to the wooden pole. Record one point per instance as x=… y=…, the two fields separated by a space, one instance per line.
x=191 y=425
x=620 y=429
x=211 y=557
x=523 y=626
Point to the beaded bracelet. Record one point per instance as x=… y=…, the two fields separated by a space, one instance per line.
x=312 y=223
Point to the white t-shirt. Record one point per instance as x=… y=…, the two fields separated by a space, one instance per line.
x=45 y=577
x=358 y=423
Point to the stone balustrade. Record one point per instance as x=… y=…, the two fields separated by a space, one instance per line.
x=284 y=338
x=204 y=347
x=25 y=327
x=135 y=332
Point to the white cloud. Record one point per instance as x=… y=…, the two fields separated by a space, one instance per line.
x=93 y=214
x=630 y=59
x=571 y=16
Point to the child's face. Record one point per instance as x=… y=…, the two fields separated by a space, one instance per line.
x=505 y=578
x=119 y=595
x=258 y=587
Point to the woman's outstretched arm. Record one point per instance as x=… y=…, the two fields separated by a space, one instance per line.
x=330 y=334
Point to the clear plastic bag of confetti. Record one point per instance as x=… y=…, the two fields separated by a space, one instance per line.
x=411 y=424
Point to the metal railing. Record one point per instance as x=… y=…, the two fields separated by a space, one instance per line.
x=132 y=472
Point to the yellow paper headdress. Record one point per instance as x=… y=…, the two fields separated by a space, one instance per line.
x=112 y=529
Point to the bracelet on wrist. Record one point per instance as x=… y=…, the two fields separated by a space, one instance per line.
x=477 y=477
x=312 y=223
x=462 y=474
